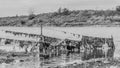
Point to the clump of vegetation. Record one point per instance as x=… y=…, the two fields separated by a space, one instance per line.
x=23 y=22
x=118 y=8
x=32 y=16
x=66 y=17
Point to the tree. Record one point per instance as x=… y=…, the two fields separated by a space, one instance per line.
x=118 y=8
x=66 y=11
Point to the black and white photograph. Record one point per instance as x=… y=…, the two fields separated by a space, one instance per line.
x=59 y=33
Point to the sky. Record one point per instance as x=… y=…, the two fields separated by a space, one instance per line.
x=23 y=7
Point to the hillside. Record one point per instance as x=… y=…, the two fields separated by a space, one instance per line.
x=65 y=17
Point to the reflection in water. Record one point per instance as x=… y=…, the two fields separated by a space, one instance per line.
x=86 y=49
x=93 y=54
x=97 y=53
x=84 y=55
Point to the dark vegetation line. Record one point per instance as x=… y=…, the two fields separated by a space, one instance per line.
x=64 y=17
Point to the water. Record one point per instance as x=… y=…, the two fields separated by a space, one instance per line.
x=75 y=56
